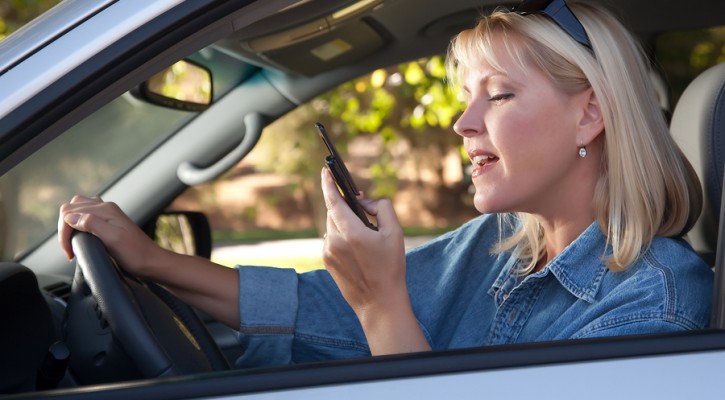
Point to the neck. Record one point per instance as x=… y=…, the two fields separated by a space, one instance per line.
x=565 y=217
x=560 y=235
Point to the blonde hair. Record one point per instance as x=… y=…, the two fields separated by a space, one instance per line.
x=647 y=187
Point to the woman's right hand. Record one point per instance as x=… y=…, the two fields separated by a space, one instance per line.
x=369 y=269
x=125 y=241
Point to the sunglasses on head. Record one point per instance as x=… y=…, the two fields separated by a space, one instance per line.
x=560 y=13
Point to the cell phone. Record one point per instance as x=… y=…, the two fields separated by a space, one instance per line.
x=342 y=177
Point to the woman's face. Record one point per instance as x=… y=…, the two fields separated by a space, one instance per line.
x=520 y=132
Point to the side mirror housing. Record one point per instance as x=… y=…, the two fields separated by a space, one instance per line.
x=184 y=232
x=185 y=86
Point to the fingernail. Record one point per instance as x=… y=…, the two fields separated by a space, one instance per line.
x=72 y=219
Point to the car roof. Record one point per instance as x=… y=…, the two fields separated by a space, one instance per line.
x=41 y=31
x=278 y=36
x=421 y=26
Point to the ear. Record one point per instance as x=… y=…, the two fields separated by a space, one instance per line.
x=591 y=123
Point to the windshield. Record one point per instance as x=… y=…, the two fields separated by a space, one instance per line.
x=84 y=160
x=90 y=156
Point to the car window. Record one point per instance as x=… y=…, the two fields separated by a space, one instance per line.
x=91 y=155
x=394 y=130
x=682 y=55
x=83 y=160
x=394 y=127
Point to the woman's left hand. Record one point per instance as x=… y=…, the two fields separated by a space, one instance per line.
x=369 y=268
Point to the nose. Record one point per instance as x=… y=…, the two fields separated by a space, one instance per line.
x=470 y=123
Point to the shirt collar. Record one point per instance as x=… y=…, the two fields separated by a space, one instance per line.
x=578 y=268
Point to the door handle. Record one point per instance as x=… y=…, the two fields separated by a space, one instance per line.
x=191 y=175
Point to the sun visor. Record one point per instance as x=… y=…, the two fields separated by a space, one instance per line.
x=323 y=44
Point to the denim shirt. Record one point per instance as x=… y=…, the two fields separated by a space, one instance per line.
x=464 y=295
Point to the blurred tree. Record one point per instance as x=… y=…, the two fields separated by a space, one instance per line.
x=403 y=110
x=409 y=103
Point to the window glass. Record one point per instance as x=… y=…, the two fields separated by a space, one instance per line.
x=91 y=155
x=683 y=55
x=393 y=128
x=84 y=160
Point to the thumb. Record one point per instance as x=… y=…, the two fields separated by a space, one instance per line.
x=70 y=223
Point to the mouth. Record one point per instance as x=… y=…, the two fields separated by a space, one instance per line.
x=482 y=160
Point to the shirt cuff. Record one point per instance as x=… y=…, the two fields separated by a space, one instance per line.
x=267 y=313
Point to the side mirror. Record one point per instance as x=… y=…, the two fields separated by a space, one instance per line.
x=185 y=86
x=185 y=232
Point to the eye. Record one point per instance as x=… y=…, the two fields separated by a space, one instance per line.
x=500 y=98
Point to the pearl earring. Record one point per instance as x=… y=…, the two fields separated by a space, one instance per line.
x=582 y=152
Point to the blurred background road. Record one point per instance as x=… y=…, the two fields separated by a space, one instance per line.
x=300 y=254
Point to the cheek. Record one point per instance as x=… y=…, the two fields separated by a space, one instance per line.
x=538 y=136
x=534 y=150
x=519 y=140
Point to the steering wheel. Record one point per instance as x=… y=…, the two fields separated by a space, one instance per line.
x=137 y=324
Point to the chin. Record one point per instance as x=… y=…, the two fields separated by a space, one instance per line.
x=485 y=205
x=495 y=201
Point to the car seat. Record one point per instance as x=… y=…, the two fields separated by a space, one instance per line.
x=698 y=126
x=27 y=329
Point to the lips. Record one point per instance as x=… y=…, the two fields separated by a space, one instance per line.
x=482 y=161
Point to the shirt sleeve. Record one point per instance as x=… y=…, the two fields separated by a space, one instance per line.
x=288 y=318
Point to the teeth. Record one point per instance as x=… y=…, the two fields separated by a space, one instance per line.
x=480 y=160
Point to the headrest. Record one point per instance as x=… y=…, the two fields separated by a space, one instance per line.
x=698 y=127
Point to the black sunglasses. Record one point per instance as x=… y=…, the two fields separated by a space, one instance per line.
x=560 y=13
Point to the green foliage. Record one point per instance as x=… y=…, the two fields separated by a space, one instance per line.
x=409 y=103
x=183 y=81
x=407 y=106
x=249 y=213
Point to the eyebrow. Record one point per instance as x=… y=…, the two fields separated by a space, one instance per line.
x=484 y=79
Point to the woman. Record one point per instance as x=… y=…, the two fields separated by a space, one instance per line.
x=584 y=199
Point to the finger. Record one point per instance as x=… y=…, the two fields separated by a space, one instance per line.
x=108 y=210
x=104 y=220
x=78 y=208
x=98 y=225
x=329 y=189
x=87 y=216
x=360 y=195
x=333 y=199
x=64 y=235
x=370 y=206
x=83 y=199
x=345 y=219
x=65 y=231
x=386 y=217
